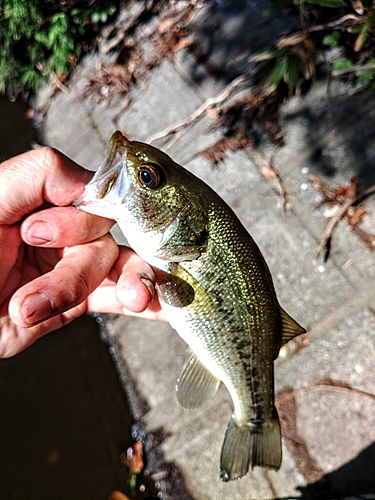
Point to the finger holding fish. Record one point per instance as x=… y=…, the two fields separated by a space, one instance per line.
x=58 y=227
x=131 y=284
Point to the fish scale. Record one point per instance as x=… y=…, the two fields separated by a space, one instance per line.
x=214 y=286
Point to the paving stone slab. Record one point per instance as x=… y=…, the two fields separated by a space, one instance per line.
x=343 y=354
x=330 y=136
x=68 y=124
x=336 y=425
x=333 y=384
x=150 y=108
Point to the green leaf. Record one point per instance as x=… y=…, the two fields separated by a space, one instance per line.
x=31 y=78
x=341 y=63
x=332 y=39
x=95 y=17
x=279 y=5
x=292 y=75
x=42 y=38
x=367 y=74
x=77 y=13
x=278 y=72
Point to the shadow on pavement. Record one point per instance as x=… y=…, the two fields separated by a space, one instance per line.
x=230 y=31
x=342 y=128
x=355 y=478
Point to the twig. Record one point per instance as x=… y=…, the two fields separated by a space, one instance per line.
x=324 y=384
x=332 y=387
x=265 y=168
x=335 y=24
x=328 y=230
x=209 y=103
x=59 y=84
x=298 y=36
x=352 y=259
x=269 y=172
x=179 y=128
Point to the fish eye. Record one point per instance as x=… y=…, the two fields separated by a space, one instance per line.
x=150 y=176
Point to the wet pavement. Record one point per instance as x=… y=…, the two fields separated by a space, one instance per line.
x=16 y=131
x=325 y=383
x=64 y=419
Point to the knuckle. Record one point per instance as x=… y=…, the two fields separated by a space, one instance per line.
x=81 y=287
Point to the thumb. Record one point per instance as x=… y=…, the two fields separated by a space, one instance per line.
x=36 y=177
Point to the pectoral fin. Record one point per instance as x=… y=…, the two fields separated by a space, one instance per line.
x=196 y=384
x=290 y=328
x=173 y=290
x=178 y=288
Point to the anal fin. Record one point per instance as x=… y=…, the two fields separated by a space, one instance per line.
x=196 y=384
x=290 y=328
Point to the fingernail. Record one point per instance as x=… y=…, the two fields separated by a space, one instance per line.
x=41 y=233
x=36 y=307
x=149 y=284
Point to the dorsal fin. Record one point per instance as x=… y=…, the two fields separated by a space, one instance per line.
x=290 y=328
x=196 y=384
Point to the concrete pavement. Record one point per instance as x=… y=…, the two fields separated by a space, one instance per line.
x=325 y=384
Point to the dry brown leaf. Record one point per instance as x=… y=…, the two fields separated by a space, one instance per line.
x=342 y=201
x=170 y=35
x=118 y=495
x=133 y=459
x=348 y=191
x=367 y=238
x=355 y=215
x=268 y=172
x=165 y=25
x=183 y=43
x=307 y=59
x=212 y=113
x=337 y=195
x=329 y=194
x=216 y=153
x=138 y=457
x=260 y=107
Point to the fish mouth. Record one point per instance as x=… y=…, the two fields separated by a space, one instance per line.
x=106 y=191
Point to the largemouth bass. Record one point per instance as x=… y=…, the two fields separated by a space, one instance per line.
x=214 y=286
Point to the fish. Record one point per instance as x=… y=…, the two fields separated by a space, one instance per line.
x=214 y=286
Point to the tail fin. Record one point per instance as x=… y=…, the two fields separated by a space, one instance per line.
x=248 y=445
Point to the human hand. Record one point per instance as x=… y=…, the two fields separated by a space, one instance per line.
x=56 y=262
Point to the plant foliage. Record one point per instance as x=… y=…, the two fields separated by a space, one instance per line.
x=41 y=38
x=345 y=28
